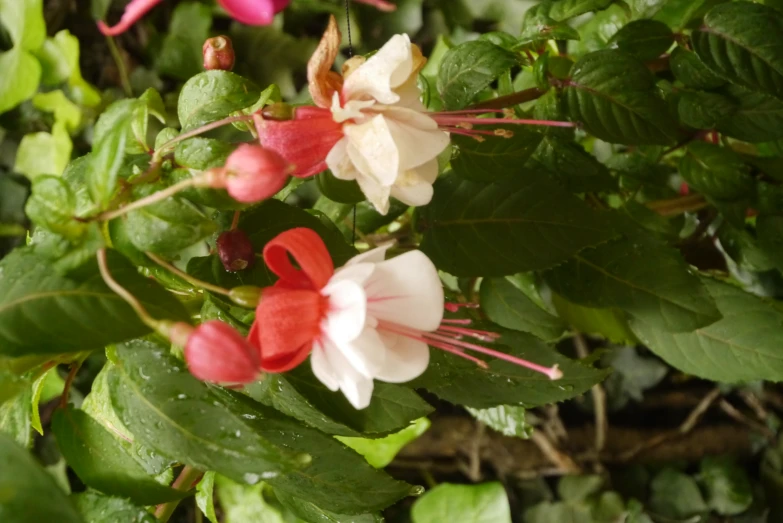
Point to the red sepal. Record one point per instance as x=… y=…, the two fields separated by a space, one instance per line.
x=308 y=250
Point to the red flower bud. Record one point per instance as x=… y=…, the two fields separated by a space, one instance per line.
x=255 y=173
x=218 y=53
x=216 y=352
x=235 y=250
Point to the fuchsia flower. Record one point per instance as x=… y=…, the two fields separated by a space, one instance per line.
x=216 y=352
x=253 y=173
x=371 y=319
x=370 y=125
x=250 y=12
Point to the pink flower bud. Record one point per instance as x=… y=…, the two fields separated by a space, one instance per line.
x=235 y=250
x=218 y=53
x=255 y=173
x=216 y=352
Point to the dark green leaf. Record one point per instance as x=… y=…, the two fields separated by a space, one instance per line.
x=612 y=324
x=299 y=394
x=212 y=95
x=640 y=215
x=52 y=204
x=644 y=39
x=729 y=491
x=103 y=463
x=29 y=492
x=43 y=312
x=180 y=55
x=494 y=157
x=641 y=276
x=566 y=9
x=272 y=217
x=509 y=307
x=517 y=224
x=758 y=117
x=168 y=226
x=483 y=503
x=743 y=346
x=307 y=511
x=688 y=68
x=702 y=110
x=558 y=512
x=745 y=249
x=210 y=269
x=108 y=150
x=184 y=420
x=769 y=231
x=538 y=27
x=716 y=171
x=675 y=495
x=462 y=382
x=337 y=480
x=574 y=168
x=469 y=68
x=578 y=488
x=740 y=41
x=341 y=191
x=616 y=99
x=97 y=508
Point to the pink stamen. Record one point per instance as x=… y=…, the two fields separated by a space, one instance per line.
x=456 y=321
x=475 y=333
x=454 y=307
x=457 y=352
x=451 y=120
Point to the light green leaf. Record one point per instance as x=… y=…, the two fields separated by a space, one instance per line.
x=517 y=224
x=246 y=503
x=52 y=204
x=48 y=386
x=81 y=91
x=111 y=134
x=381 y=452
x=743 y=346
x=509 y=420
x=213 y=95
x=44 y=153
x=21 y=71
x=64 y=110
x=97 y=508
x=16 y=417
x=205 y=496
x=578 y=488
x=485 y=503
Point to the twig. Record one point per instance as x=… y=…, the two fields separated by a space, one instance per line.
x=75 y=366
x=738 y=416
x=562 y=461
x=201 y=130
x=675 y=206
x=123 y=293
x=474 y=465
x=187 y=477
x=752 y=401
x=149 y=200
x=598 y=396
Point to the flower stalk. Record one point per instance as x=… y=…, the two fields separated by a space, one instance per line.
x=187 y=277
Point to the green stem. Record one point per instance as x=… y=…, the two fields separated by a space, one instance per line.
x=185 y=276
x=149 y=200
x=123 y=293
x=200 y=130
x=11 y=229
x=184 y=481
x=121 y=69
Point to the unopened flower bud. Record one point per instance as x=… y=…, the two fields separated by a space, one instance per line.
x=218 y=53
x=216 y=352
x=255 y=173
x=279 y=111
x=235 y=250
x=246 y=296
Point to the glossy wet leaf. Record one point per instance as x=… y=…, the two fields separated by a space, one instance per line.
x=509 y=420
x=97 y=508
x=213 y=95
x=509 y=307
x=644 y=39
x=716 y=171
x=484 y=503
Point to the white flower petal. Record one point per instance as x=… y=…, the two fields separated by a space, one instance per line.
x=345 y=318
x=390 y=67
x=356 y=272
x=373 y=151
x=322 y=368
x=340 y=163
x=376 y=194
x=416 y=145
x=410 y=95
x=366 y=353
x=357 y=388
x=351 y=110
x=406 y=290
x=376 y=255
x=406 y=358
x=414 y=187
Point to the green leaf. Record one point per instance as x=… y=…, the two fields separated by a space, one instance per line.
x=641 y=276
x=573 y=167
x=24 y=22
x=300 y=395
x=380 y=452
x=264 y=222
x=687 y=67
x=63 y=109
x=97 y=508
x=337 y=480
x=52 y=204
x=59 y=58
x=44 y=153
x=202 y=153
x=565 y=9
x=716 y=171
x=210 y=269
x=616 y=99
x=183 y=419
x=469 y=68
x=578 y=488
x=612 y=324
x=340 y=191
x=769 y=231
x=758 y=117
x=485 y=503
x=548 y=512
x=213 y=95
x=635 y=373
x=517 y=224
x=180 y=56
x=494 y=157
x=538 y=27
x=702 y=110
x=176 y=222
x=310 y=513
x=205 y=496
x=44 y=312
x=645 y=218
x=675 y=495
x=246 y=503
x=738 y=40
x=16 y=417
x=509 y=307
x=509 y=420
x=644 y=39
x=459 y=381
x=729 y=491
x=726 y=350
x=48 y=386
x=108 y=151
x=29 y=492
x=104 y=463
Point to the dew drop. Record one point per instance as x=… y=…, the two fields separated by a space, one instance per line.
x=251 y=478
x=417 y=490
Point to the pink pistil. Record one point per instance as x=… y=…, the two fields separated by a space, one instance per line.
x=474 y=333
x=455 y=120
x=456 y=321
x=454 y=307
